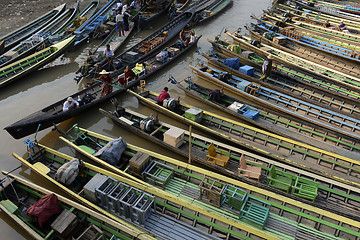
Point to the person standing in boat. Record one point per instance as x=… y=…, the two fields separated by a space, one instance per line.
x=126 y=16
x=120 y=24
x=70 y=104
x=162 y=96
x=109 y=54
x=266 y=68
x=107 y=81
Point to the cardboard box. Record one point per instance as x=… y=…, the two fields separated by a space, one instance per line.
x=279 y=40
x=174 y=136
x=235 y=106
x=139 y=162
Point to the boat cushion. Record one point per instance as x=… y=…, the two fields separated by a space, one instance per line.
x=112 y=151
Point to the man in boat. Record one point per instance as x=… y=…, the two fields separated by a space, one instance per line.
x=266 y=68
x=70 y=104
x=162 y=96
x=342 y=26
x=128 y=76
x=216 y=94
x=107 y=81
x=185 y=40
x=109 y=54
x=119 y=23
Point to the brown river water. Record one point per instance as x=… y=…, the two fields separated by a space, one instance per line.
x=55 y=81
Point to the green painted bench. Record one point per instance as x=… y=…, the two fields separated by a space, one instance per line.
x=255 y=211
x=158 y=174
x=233 y=197
x=305 y=188
x=279 y=179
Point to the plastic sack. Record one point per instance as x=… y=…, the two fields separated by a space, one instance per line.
x=112 y=151
x=67 y=173
x=233 y=63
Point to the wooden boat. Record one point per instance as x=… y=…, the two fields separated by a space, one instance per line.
x=347 y=55
x=148 y=13
x=211 y=11
x=319 y=57
x=15 y=37
x=331 y=75
x=272 y=121
x=75 y=220
x=84 y=32
x=342 y=40
x=264 y=143
x=316 y=15
x=149 y=45
x=177 y=6
x=80 y=19
x=339 y=95
x=342 y=8
x=282 y=103
x=41 y=39
x=216 y=196
x=21 y=68
x=54 y=114
x=130 y=120
x=173 y=215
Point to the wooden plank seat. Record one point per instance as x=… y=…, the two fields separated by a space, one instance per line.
x=249 y=171
x=91 y=233
x=65 y=223
x=305 y=188
x=233 y=197
x=279 y=179
x=255 y=211
x=217 y=156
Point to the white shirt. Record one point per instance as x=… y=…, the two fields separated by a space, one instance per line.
x=68 y=105
x=119 y=18
x=132 y=4
x=109 y=53
x=124 y=8
x=118 y=5
x=192 y=39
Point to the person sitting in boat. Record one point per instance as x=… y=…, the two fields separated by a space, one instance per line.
x=327 y=23
x=128 y=76
x=192 y=37
x=216 y=94
x=342 y=26
x=162 y=96
x=107 y=81
x=109 y=54
x=184 y=39
x=266 y=68
x=69 y=104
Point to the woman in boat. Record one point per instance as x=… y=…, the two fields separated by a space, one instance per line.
x=70 y=104
x=107 y=81
x=266 y=68
x=192 y=37
x=162 y=96
x=185 y=40
x=126 y=21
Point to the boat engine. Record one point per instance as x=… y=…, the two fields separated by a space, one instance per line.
x=170 y=103
x=147 y=124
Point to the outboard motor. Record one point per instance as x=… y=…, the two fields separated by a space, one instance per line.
x=170 y=103
x=147 y=124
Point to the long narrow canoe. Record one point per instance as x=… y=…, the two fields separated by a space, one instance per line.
x=318 y=57
x=15 y=37
x=54 y=113
x=330 y=192
x=334 y=80
x=211 y=11
x=285 y=104
x=194 y=180
x=86 y=29
x=334 y=95
x=343 y=53
x=276 y=147
x=148 y=13
x=40 y=39
x=172 y=216
x=21 y=68
x=274 y=122
x=20 y=194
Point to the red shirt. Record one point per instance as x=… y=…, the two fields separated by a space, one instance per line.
x=162 y=96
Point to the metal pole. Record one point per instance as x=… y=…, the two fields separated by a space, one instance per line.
x=189 y=161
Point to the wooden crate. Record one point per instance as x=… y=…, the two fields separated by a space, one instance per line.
x=211 y=191
x=139 y=162
x=174 y=136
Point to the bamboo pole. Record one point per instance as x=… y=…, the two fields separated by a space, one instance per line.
x=190 y=127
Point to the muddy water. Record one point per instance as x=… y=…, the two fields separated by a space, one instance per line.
x=55 y=81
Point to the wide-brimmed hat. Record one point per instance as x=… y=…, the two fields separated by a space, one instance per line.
x=104 y=72
x=70 y=99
